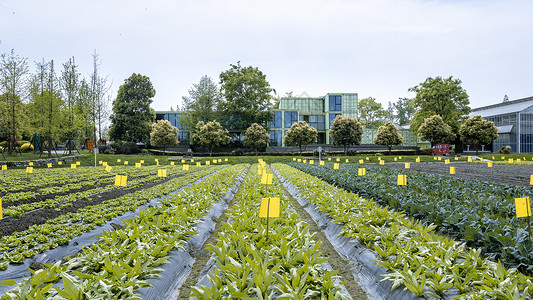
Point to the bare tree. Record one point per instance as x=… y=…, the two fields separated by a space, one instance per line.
x=100 y=103
x=70 y=85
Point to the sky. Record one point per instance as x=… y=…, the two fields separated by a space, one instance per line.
x=377 y=48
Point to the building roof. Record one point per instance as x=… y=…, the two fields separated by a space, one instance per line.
x=505 y=129
x=503 y=107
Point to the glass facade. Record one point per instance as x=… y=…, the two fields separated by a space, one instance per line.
x=276 y=121
x=275 y=138
x=335 y=103
x=332 y=117
x=507 y=138
x=291 y=117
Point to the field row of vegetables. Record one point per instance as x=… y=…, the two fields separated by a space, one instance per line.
x=17 y=247
x=286 y=265
x=479 y=213
x=425 y=263
x=124 y=259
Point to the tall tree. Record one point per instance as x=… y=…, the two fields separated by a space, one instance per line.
x=371 y=113
x=132 y=116
x=301 y=134
x=210 y=135
x=13 y=71
x=201 y=104
x=404 y=111
x=346 y=131
x=388 y=135
x=70 y=85
x=247 y=97
x=440 y=96
x=163 y=134
x=478 y=131
x=99 y=89
x=256 y=137
x=435 y=130
x=84 y=109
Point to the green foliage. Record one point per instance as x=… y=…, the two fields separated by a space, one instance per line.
x=435 y=130
x=478 y=131
x=163 y=134
x=388 y=135
x=346 y=131
x=440 y=96
x=301 y=134
x=371 y=113
x=256 y=137
x=201 y=104
x=210 y=135
x=132 y=116
x=247 y=97
x=125 y=147
x=404 y=111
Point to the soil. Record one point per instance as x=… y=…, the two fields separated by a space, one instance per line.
x=517 y=175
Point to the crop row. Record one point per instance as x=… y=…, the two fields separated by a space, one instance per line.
x=20 y=245
x=285 y=265
x=415 y=257
x=479 y=213
x=126 y=258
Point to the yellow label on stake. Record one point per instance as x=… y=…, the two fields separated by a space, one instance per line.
x=456 y=158
x=503 y=157
x=99 y=162
x=78 y=163
x=518 y=160
x=452 y=170
x=523 y=207
x=338 y=159
x=361 y=171
x=531 y=180
x=329 y=158
x=395 y=159
x=417 y=159
x=120 y=180
x=347 y=160
x=266 y=178
x=336 y=166
x=29 y=169
x=1 y=216
x=31 y=163
x=511 y=160
x=108 y=168
x=225 y=159
x=161 y=173
x=137 y=165
x=439 y=158
x=304 y=161
x=269 y=208
x=4 y=167
x=399 y=157
x=142 y=161
x=207 y=163
x=185 y=167
x=402 y=179
x=171 y=163
x=493 y=158
x=73 y=166
x=220 y=160
x=198 y=164
x=118 y=160
x=192 y=160
x=470 y=159
x=447 y=162
x=489 y=164
x=321 y=162
x=367 y=158
x=60 y=163
x=407 y=165
x=157 y=159
x=299 y=160
x=126 y=162
x=382 y=162
x=183 y=161
x=104 y=164
x=49 y=165
x=214 y=161
x=361 y=161
x=311 y=162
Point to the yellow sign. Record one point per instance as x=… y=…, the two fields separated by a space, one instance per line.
x=29 y=169
x=171 y=163
x=294 y=159
x=407 y=165
x=329 y=158
x=470 y=159
x=518 y=160
x=361 y=171
x=347 y=160
x=305 y=161
x=78 y=163
x=120 y=180
x=99 y=162
x=266 y=178
x=395 y=159
x=118 y=160
x=183 y=161
x=225 y=159
x=207 y=163
x=402 y=179
x=157 y=159
x=511 y=160
x=49 y=165
x=108 y=168
x=161 y=173
x=382 y=162
x=192 y=160
x=4 y=167
x=214 y=161
x=60 y=163
x=336 y=166
x=503 y=157
x=269 y=208
x=361 y=161
x=321 y=162
x=367 y=158
x=338 y=159
x=142 y=161
x=220 y=160
x=417 y=159
x=439 y=158
x=434 y=158
x=452 y=170
x=137 y=165
x=1 y=208
x=399 y=157
x=531 y=180
x=73 y=166
x=493 y=158
x=489 y=164
x=198 y=164
x=125 y=162
x=299 y=160
x=456 y=158
x=311 y=162
x=185 y=167
x=104 y=164
x=523 y=207
x=447 y=162
x=31 y=163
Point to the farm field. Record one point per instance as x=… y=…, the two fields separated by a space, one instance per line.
x=197 y=232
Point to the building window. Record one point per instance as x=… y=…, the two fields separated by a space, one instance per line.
x=335 y=103
x=317 y=121
x=332 y=117
x=291 y=117
x=276 y=122
x=275 y=138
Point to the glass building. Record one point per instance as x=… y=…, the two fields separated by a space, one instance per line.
x=174 y=118
x=514 y=120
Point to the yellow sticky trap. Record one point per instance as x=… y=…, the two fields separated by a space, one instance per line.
x=73 y=166
x=456 y=158
x=60 y=163
x=29 y=169
x=99 y=162
x=489 y=164
x=1 y=216
x=171 y=163
x=434 y=158
x=185 y=167
x=137 y=165
x=518 y=160
x=503 y=157
x=108 y=168
x=361 y=161
x=183 y=161
x=382 y=162
x=329 y=158
x=511 y=160
x=192 y=160
x=417 y=159
x=367 y=158
x=4 y=167
x=299 y=160
x=214 y=161
x=78 y=163
x=126 y=162
x=225 y=159
x=531 y=180
x=118 y=160
x=198 y=164
x=305 y=161
x=447 y=162
x=142 y=161
x=321 y=162
x=207 y=163
x=104 y=164
x=338 y=159
x=493 y=158
x=361 y=171
x=523 y=207
x=402 y=179
x=336 y=166
x=439 y=158
x=294 y=159
x=470 y=159
x=269 y=208
x=266 y=178
x=220 y=160
x=120 y=180
x=408 y=165
x=452 y=170
x=49 y=165
x=524 y=158
x=311 y=162
x=156 y=159
x=259 y=169
x=399 y=157
x=31 y=163
x=347 y=160
x=395 y=159
x=161 y=173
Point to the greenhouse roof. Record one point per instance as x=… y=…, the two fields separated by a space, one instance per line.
x=503 y=108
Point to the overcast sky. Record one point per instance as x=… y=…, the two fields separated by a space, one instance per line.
x=376 y=48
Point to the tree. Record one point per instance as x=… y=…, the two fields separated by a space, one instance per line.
x=435 y=131
x=478 y=131
x=132 y=116
x=247 y=97
x=13 y=70
x=99 y=105
x=346 y=131
x=201 y=104
x=256 y=137
x=210 y=135
x=70 y=84
x=440 y=96
x=388 y=135
x=404 y=111
x=163 y=134
x=371 y=113
x=301 y=134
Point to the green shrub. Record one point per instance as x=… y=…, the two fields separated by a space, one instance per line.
x=145 y=152
x=123 y=147
x=26 y=147
x=4 y=144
